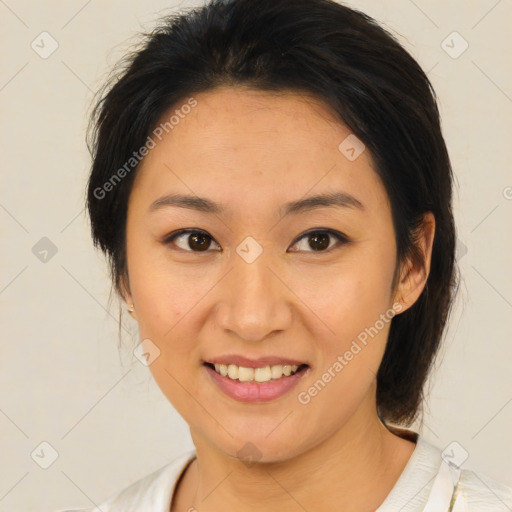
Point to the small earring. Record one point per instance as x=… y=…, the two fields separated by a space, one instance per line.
x=131 y=308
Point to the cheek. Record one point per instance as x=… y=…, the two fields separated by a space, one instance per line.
x=164 y=292
x=351 y=295
x=355 y=306
x=353 y=301
x=169 y=301
x=167 y=314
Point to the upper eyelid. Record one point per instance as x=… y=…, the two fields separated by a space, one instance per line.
x=332 y=232
x=189 y=231
x=340 y=238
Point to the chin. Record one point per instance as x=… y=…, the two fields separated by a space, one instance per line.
x=253 y=449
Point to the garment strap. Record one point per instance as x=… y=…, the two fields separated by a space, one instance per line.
x=443 y=489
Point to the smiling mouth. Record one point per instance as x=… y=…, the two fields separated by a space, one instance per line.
x=256 y=375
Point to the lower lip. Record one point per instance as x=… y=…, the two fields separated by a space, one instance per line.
x=252 y=391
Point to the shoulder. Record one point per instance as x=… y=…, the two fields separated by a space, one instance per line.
x=423 y=482
x=483 y=494
x=152 y=492
x=476 y=492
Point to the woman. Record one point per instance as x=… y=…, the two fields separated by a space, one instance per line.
x=271 y=186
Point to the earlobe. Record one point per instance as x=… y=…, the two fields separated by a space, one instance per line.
x=415 y=274
x=131 y=308
x=126 y=295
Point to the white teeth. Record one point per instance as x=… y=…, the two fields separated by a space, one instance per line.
x=245 y=374
x=277 y=371
x=263 y=374
x=233 y=371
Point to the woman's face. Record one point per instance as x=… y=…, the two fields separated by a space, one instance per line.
x=256 y=278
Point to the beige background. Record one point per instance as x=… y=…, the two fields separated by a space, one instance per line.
x=62 y=378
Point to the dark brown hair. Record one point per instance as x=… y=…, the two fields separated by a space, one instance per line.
x=367 y=79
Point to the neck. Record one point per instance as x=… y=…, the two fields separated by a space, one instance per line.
x=356 y=467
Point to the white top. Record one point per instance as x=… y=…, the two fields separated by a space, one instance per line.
x=427 y=484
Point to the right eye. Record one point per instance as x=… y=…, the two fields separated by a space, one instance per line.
x=196 y=240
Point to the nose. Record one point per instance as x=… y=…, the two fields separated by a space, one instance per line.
x=254 y=303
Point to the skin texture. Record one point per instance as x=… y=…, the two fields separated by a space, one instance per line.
x=253 y=151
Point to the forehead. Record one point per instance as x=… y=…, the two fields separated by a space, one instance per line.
x=240 y=145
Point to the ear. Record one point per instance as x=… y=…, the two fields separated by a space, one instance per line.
x=416 y=269
x=124 y=290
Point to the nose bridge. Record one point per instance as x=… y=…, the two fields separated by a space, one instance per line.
x=256 y=302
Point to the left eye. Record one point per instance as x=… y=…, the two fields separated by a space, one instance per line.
x=198 y=241
x=320 y=240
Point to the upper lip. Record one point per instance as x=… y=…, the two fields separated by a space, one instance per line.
x=260 y=362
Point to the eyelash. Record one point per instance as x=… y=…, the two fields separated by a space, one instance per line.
x=342 y=239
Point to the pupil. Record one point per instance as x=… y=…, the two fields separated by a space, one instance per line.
x=324 y=241
x=201 y=240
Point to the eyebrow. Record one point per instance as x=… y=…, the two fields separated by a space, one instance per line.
x=202 y=204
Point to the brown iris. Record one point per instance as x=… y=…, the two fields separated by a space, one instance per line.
x=319 y=241
x=199 y=242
